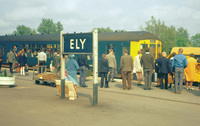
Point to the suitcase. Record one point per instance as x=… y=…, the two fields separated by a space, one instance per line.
x=154 y=77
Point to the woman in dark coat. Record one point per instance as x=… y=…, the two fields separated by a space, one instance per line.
x=22 y=63
x=103 y=70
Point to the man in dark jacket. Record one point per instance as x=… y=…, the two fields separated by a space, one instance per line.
x=103 y=70
x=147 y=61
x=83 y=65
x=157 y=69
x=164 y=69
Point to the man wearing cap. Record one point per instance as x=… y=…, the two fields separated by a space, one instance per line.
x=147 y=61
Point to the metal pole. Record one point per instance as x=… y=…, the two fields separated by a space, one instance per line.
x=62 y=61
x=95 y=67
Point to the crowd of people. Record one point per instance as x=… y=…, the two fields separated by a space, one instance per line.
x=16 y=59
x=169 y=70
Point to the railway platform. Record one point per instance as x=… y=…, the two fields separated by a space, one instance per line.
x=37 y=105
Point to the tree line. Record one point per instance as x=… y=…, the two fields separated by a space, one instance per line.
x=169 y=35
x=47 y=26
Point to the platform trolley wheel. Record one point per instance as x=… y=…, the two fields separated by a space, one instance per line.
x=52 y=84
x=37 y=82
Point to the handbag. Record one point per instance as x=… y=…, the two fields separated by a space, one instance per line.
x=26 y=68
x=170 y=80
x=108 y=77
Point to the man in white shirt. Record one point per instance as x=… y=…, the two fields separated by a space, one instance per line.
x=42 y=59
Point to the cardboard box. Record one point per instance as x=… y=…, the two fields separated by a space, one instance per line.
x=47 y=76
x=69 y=89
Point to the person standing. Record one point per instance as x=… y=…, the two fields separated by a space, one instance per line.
x=179 y=64
x=147 y=62
x=126 y=67
x=10 y=59
x=190 y=71
x=42 y=58
x=103 y=70
x=15 y=53
x=0 y=62
x=138 y=67
x=72 y=66
x=172 y=71
x=157 y=69
x=56 y=63
x=22 y=63
x=164 y=69
x=83 y=64
x=112 y=63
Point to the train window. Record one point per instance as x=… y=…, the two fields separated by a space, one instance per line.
x=58 y=46
x=54 y=45
x=110 y=46
x=22 y=45
x=39 y=46
x=33 y=46
x=2 y=49
x=26 y=46
x=198 y=58
x=153 y=49
x=142 y=47
x=49 y=45
x=44 y=45
x=158 y=48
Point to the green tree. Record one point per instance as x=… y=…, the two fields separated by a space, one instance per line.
x=182 y=37
x=166 y=34
x=47 y=26
x=23 y=30
x=108 y=29
x=195 y=40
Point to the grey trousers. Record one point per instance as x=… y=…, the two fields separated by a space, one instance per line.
x=83 y=71
x=112 y=72
x=179 y=72
x=147 y=78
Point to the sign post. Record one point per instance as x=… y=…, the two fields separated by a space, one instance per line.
x=95 y=67
x=82 y=43
x=62 y=61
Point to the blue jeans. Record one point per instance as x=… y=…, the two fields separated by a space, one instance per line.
x=83 y=71
x=179 y=72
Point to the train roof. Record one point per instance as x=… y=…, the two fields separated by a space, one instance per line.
x=107 y=36
x=31 y=38
x=127 y=36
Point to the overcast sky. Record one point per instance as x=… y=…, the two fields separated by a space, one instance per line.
x=84 y=15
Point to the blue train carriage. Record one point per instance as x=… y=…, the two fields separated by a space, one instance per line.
x=132 y=41
x=32 y=45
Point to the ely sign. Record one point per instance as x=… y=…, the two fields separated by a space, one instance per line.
x=78 y=43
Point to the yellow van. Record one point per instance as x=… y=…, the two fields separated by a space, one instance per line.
x=186 y=52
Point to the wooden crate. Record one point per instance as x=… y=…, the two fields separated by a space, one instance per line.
x=69 y=89
x=47 y=76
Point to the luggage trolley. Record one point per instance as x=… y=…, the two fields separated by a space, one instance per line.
x=41 y=75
